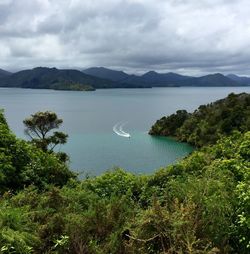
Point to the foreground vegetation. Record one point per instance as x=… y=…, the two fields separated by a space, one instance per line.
x=199 y=205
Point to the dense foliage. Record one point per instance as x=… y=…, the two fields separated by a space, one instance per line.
x=199 y=205
x=209 y=122
x=22 y=164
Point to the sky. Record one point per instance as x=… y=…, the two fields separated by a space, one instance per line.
x=191 y=37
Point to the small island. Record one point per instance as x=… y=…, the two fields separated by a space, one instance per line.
x=71 y=86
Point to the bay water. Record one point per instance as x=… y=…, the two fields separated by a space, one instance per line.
x=99 y=123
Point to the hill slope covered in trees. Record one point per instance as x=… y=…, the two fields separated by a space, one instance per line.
x=102 y=72
x=53 y=78
x=155 y=79
x=99 y=77
x=206 y=124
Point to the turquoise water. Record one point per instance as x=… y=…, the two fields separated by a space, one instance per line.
x=90 y=117
x=141 y=153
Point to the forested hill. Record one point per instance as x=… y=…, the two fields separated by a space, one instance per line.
x=155 y=79
x=206 y=124
x=106 y=73
x=53 y=78
x=240 y=79
x=99 y=77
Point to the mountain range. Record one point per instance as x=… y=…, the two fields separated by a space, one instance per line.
x=100 y=77
x=242 y=80
x=155 y=79
x=53 y=78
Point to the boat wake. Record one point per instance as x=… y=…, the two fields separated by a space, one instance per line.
x=118 y=129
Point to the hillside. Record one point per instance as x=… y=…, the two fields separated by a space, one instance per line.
x=53 y=78
x=206 y=124
x=99 y=77
x=105 y=73
x=212 y=80
x=4 y=73
x=163 y=79
x=155 y=79
x=242 y=80
x=174 y=79
x=121 y=78
x=148 y=79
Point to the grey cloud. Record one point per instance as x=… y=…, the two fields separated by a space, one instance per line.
x=189 y=36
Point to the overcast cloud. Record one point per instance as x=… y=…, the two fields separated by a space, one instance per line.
x=186 y=36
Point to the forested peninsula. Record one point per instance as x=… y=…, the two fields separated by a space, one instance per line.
x=209 y=122
x=200 y=204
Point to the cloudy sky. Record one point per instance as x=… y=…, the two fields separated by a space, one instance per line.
x=186 y=36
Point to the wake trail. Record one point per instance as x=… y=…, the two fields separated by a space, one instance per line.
x=118 y=129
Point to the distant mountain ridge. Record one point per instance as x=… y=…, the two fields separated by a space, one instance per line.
x=156 y=79
x=53 y=78
x=102 y=72
x=59 y=79
x=100 y=77
x=239 y=79
x=153 y=77
x=216 y=79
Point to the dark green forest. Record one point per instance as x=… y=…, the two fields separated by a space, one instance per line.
x=209 y=122
x=201 y=204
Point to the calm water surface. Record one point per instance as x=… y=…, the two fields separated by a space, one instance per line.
x=89 y=119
